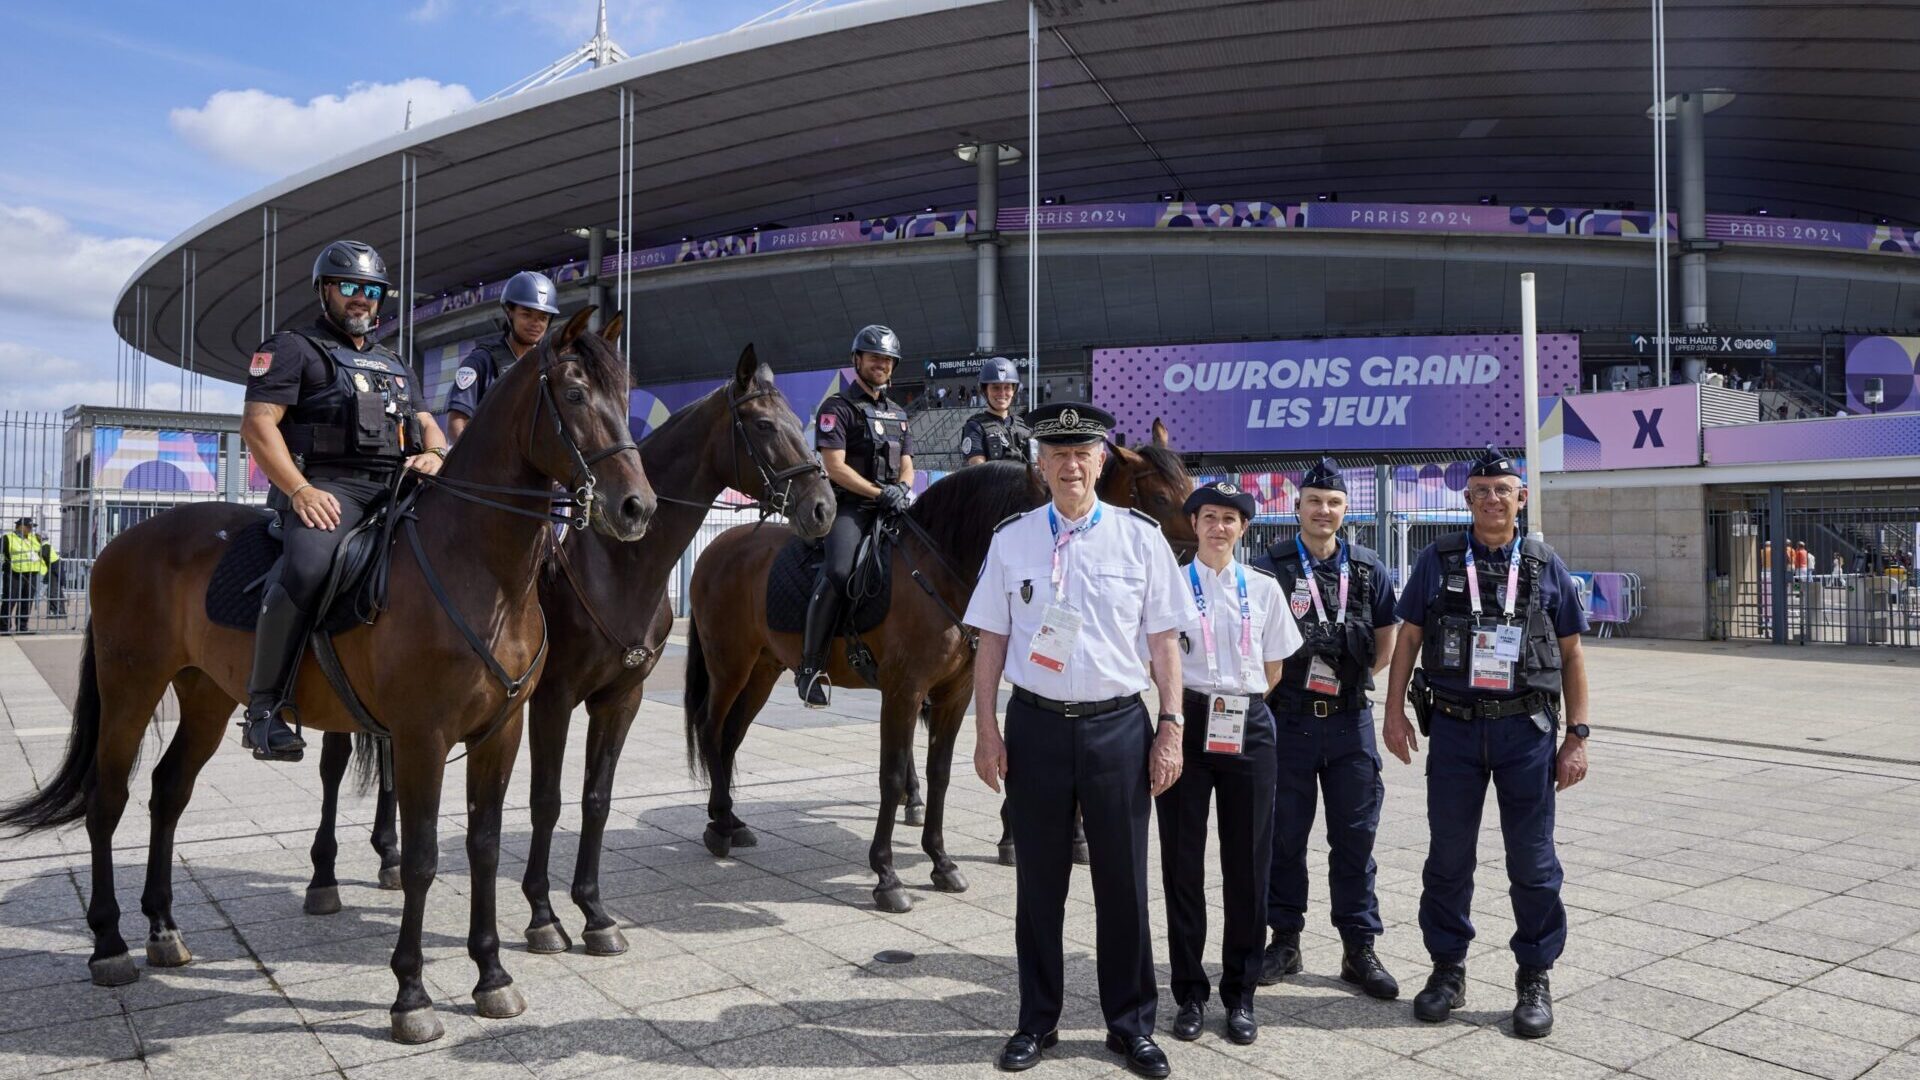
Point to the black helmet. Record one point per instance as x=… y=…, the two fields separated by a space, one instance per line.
x=530 y=289
x=350 y=260
x=999 y=370
x=877 y=339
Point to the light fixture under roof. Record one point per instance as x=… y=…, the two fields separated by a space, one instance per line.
x=969 y=152
x=1711 y=100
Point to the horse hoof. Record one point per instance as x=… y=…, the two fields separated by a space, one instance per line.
x=949 y=881
x=894 y=901
x=416 y=1026
x=1006 y=854
x=551 y=938
x=113 y=970
x=607 y=942
x=915 y=816
x=745 y=837
x=390 y=879
x=500 y=1003
x=323 y=900
x=1080 y=854
x=168 y=949
x=719 y=844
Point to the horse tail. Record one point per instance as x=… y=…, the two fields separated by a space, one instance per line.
x=63 y=799
x=699 y=691
x=366 y=763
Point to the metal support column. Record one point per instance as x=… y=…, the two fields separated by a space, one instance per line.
x=597 y=254
x=1693 y=211
x=986 y=248
x=1777 y=560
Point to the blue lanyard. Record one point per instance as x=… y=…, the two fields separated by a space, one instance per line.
x=1313 y=585
x=1206 y=620
x=1513 y=578
x=1060 y=541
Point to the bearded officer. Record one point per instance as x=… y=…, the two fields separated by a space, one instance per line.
x=330 y=417
x=1076 y=602
x=994 y=433
x=528 y=301
x=1494 y=620
x=1230 y=655
x=862 y=437
x=1343 y=598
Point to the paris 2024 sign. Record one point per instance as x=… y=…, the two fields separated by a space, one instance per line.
x=1304 y=397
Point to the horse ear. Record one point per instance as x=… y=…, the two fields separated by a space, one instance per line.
x=571 y=332
x=610 y=333
x=1160 y=435
x=744 y=371
x=1118 y=439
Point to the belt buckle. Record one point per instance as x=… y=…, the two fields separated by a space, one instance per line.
x=1486 y=709
x=1070 y=710
x=1322 y=709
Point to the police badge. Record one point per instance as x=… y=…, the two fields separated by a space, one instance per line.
x=1026 y=591
x=360 y=383
x=1300 y=601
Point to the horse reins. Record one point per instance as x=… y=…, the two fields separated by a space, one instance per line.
x=777 y=483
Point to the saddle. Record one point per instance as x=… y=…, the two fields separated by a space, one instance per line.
x=356 y=589
x=870 y=586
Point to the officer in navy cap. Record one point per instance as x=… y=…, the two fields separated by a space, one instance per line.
x=1230 y=656
x=1069 y=594
x=1494 y=620
x=994 y=433
x=1342 y=596
x=529 y=303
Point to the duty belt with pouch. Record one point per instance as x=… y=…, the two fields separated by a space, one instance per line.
x=1420 y=697
x=1320 y=706
x=1497 y=708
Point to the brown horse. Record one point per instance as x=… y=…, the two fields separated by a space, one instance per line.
x=921 y=652
x=423 y=669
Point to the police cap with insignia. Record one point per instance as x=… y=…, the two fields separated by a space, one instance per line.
x=1492 y=462
x=1070 y=423
x=1220 y=494
x=1325 y=476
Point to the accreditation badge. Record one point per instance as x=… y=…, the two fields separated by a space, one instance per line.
x=1053 y=643
x=1321 y=678
x=1489 y=670
x=1227 y=725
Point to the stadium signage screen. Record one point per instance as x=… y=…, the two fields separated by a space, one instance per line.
x=1398 y=393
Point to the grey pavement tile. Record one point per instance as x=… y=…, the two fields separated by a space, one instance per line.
x=1795 y=1046
x=1698 y=1061
x=1843 y=1016
x=66 y=1046
x=1896 y=1067
x=1805 y=943
x=234 y=1036
x=1707 y=983
x=720 y=1016
x=581 y=1046
x=1488 y=1054
x=667 y=979
x=789 y=1051
x=1650 y=1006
x=478 y=1060
x=1895 y=962
x=1761 y=963
x=1303 y=1052
x=1867 y=986
x=1617 y=1044
x=1388 y=1025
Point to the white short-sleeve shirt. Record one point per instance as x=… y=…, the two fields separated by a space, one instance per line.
x=1275 y=634
x=1119 y=574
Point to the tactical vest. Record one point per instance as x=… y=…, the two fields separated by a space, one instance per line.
x=364 y=417
x=1007 y=439
x=1347 y=641
x=876 y=447
x=1446 y=643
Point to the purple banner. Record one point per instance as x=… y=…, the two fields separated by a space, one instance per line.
x=801 y=238
x=1538 y=220
x=1837 y=438
x=1858 y=236
x=649 y=406
x=1895 y=361
x=1406 y=393
x=1631 y=429
x=1163 y=215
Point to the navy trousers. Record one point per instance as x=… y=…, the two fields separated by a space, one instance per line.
x=1241 y=787
x=1098 y=763
x=1517 y=754
x=1335 y=758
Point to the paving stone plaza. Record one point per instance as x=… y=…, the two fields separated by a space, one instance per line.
x=1741 y=885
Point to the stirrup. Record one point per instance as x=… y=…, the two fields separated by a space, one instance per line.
x=265 y=752
x=810 y=679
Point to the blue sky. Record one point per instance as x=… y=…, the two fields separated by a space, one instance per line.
x=131 y=121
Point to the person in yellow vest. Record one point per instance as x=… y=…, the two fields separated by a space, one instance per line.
x=56 y=595
x=24 y=566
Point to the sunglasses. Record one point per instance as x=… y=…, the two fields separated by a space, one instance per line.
x=355 y=288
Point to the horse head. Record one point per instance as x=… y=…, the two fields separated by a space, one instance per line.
x=786 y=472
x=589 y=448
x=1153 y=480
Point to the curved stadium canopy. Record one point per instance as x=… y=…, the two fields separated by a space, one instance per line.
x=858 y=109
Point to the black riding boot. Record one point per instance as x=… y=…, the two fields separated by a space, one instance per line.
x=278 y=641
x=823 y=610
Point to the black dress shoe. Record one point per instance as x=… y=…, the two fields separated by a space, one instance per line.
x=1144 y=1056
x=1363 y=969
x=1446 y=991
x=1533 y=1011
x=1192 y=1018
x=1281 y=959
x=1022 y=1052
x=1242 y=1028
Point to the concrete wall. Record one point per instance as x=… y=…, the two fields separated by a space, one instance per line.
x=1659 y=533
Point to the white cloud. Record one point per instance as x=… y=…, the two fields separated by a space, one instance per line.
x=276 y=135
x=61 y=271
x=58 y=381
x=430 y=11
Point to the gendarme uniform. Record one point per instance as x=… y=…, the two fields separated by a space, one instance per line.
x=994 y=437
x=1076 y=601
x=492 y=357
x=1491 y=622
x=1327 y=748
x=1239 y=625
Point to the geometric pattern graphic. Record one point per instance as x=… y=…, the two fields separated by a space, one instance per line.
x=1833 y=439
x=1895 y=361
x=143 y=459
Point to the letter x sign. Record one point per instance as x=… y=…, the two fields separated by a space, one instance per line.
x=1649 y=429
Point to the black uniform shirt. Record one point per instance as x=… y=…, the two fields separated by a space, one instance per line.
x=287 y=368
x=489 y=359
x=839 y=427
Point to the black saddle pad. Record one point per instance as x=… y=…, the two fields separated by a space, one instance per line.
x=790 y=584
x=251 y=563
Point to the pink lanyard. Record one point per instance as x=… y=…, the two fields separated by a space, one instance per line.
x=1513 y=580
x=1060 y=541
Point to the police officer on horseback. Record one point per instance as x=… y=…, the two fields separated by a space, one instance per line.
x=994 y=433
x=862 y=437
x=330 y=418
x=528 y=301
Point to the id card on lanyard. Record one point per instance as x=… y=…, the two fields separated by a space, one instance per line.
x=1060 y=624
x=1495 y=648
x=1321 y=678
x=1227 y=725
x=1206 y=621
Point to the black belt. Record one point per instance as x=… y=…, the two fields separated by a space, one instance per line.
x=1074 y=709
x=1203 y=699
x=1320 y=705
x=1491 y=708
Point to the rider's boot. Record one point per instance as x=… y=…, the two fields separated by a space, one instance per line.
x=278 y=642
x=823 y=610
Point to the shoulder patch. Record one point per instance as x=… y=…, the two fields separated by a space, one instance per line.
x=966 y=445
x=1008 y=520
x=262 y=362
x=465 y=378
x=1144 y=516
x=828 y=421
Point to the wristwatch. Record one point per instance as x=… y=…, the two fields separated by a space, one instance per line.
x=1173 y=718
x=1581 y=730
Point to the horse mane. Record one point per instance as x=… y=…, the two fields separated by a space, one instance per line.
x=601 y=359
x=960 y=510
x=1164 y=461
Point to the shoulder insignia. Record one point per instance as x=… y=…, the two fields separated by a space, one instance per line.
x=1262 y=570
x=465 y=377
x=1008 y=520
x=262 y=361
x=827 y=421
x=1144 y=516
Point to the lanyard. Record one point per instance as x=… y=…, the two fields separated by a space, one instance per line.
x=1313 y=584
x=1513 y=579
x=1206 y=620
x=1061 y=540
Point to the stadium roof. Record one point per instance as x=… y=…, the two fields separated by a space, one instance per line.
x=857 y=109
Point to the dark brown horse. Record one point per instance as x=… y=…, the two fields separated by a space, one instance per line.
x=480 y=537
x=921 y=652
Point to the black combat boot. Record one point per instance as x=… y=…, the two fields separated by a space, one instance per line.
x=1362 y=968
x=1446 y=991
x=1281 y=959
x=823 y=610
x=1533 y=1009
x=278 y=642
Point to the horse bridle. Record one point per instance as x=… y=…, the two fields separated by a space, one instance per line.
x=777 y=483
